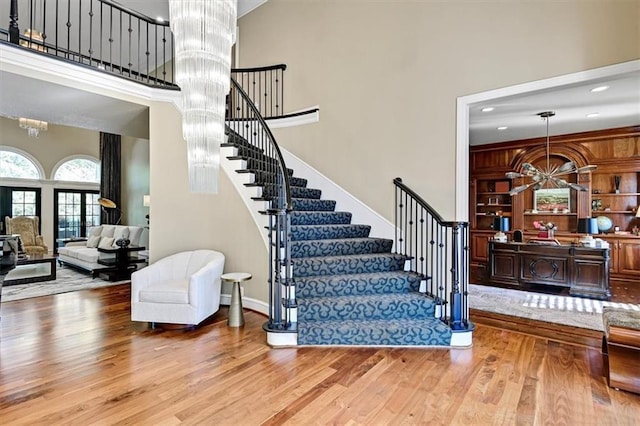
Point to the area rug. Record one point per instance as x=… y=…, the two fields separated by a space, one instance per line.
x=572 y=311
x=67 y=280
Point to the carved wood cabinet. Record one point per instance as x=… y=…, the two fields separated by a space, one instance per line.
x=613 y=193
x=585 y=271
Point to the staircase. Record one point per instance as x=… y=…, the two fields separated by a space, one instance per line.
x=348 y=287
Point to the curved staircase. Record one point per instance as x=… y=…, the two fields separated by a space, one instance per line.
x=349 y=288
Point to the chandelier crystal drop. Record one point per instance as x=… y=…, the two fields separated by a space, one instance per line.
x=204 y=33
x=33 y=127
x=549 y=177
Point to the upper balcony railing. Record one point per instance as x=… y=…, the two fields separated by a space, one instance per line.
x=95 y=33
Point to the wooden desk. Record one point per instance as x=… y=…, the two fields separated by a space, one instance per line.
x=584 y=270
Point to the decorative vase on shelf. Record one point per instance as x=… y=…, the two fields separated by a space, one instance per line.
x=616 y=181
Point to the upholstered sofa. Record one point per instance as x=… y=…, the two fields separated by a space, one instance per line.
x=27 y=227
x=84 y=254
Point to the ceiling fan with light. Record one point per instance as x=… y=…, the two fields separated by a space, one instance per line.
x=549 y=177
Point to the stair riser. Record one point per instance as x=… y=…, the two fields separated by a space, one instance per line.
x=390 y=334
x=336 y=287
x=320 y=218
x=328 y=309
x=329 y=232
x=313 y=205
x=297 y=192
x=339 y=248
x=336 y=266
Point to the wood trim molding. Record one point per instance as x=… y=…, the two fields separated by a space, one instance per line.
x=578 y=154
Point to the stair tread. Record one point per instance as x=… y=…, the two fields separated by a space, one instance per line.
x=336 y=240
x=355 y=256
x=426 y=322
x=365 y=298
x=366 y=276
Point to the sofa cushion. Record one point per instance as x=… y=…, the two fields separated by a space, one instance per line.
x=173 y=291
x=108 y=231
x=87 y=255
x=96 y=230
x=120 y=233
x=93 y=241
x=106 y=242
x=69 y=251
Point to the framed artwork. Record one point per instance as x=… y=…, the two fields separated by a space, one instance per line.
x=552 y=199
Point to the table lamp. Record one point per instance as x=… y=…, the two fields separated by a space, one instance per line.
x=501 y=225
x=587 y=226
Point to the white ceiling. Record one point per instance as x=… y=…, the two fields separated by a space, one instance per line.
x=618 y=106
x=63 y=105
x=160 y=8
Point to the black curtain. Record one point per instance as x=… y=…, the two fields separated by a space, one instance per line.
x=110 y=175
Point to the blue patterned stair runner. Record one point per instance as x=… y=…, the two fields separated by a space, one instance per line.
x=350 y=289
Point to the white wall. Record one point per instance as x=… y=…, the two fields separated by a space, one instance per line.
x=386 y=75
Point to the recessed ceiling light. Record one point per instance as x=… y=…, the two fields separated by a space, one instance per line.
x=502 y=128
x=593 y=114
x=487 y=109
x=600 y=89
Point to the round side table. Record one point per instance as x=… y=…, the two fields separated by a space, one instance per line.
x=236 y=316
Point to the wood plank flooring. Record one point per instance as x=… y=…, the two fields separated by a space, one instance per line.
x=77 y=359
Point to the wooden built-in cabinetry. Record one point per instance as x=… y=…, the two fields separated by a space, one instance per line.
x=615 y=152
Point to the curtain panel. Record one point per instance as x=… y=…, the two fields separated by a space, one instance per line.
x=110 y=175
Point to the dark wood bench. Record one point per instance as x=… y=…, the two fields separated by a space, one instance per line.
x=621 y=348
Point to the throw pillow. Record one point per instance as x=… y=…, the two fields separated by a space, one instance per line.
x=107 y=231
x=93 y=241
x=106 y=242
x=121 y=232
x=96 y=230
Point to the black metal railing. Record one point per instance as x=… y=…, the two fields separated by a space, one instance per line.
x=264 y=86
x=96 y=33
x=438 y=251
x=248 y=131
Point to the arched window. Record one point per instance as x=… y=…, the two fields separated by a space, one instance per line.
x=15 y=164
x=78 y=169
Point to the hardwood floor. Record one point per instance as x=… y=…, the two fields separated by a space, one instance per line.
x=76 y=358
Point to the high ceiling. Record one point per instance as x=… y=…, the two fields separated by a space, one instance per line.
x=574 y=105
x=160 y=8
x=617 y=106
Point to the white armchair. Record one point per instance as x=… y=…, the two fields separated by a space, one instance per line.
x=183 y=288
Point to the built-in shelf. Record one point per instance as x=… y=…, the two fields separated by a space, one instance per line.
x=605 y=212
x=493 y=205
x=550 y=214
x=613 y=194
x=493 y=193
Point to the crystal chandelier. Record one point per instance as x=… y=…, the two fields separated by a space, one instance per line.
x=33 y=127
x=550 y=176
x=204 y=32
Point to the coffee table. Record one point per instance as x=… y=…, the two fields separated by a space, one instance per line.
x=35 y=268
x=120 y=267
